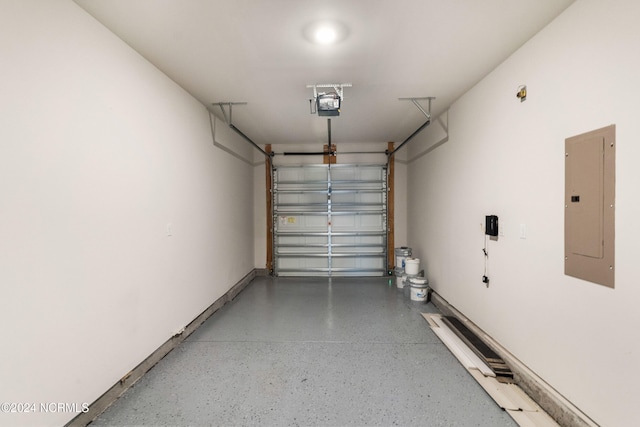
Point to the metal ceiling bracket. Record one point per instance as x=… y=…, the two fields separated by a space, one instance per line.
x=417 y=104
x=337 y=87
x=421 y=128
x=228 y=121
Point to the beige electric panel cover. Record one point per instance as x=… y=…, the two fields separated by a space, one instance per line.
x=589 y=220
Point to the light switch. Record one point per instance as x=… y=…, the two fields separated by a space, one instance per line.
x=523 y=231
x=169 y=229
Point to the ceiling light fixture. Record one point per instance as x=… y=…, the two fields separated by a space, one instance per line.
x=325 y=35
x=325 y=32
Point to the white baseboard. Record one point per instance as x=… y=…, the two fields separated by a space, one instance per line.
x=557 y=406
x=128 y=380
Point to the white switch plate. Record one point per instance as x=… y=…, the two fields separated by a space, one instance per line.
x=523 y=231
x=169 y=229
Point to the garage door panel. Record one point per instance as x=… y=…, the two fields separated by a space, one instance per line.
x=361 y=222
x=330 y=220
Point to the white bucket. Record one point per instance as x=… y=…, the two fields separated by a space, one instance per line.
x=399 y=281
x=419 y=294
x=419 y=282
x=402 y=281
x=401 y=255
x=412 y=266
x=419 y=289
x=406 y=280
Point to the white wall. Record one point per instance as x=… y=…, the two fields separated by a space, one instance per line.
x=401 y=196
x=506 y=158
x=99 y=152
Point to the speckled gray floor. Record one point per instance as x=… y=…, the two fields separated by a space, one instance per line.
x=310 y=352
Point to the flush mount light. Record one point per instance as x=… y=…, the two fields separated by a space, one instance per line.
x=325 y=32
x=325 y=35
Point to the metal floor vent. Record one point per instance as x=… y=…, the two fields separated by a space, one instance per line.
x=481 y=349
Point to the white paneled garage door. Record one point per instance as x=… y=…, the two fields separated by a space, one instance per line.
x=330 y=220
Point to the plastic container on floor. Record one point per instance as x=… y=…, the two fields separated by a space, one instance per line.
x=402 y=254
x=412 y=266
x=419 y=289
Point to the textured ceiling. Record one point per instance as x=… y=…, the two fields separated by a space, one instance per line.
x=255 y=51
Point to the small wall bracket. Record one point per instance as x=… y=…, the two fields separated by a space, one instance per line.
x=522 y=93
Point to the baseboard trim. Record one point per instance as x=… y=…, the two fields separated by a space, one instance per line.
x=111 y=395
x=558 y=407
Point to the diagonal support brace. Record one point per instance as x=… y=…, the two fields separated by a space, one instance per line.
x=421 y=128
x=228 y=119
x=417 y=104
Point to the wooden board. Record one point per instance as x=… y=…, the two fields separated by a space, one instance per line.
x=460 y=350
x=483 y=351
x=510 y=397
x=391 y=259
x=269 y=197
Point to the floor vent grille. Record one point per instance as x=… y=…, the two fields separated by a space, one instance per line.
x=481 y=349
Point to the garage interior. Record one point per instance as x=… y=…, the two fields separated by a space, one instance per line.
x=310 y=351
x=181 y=176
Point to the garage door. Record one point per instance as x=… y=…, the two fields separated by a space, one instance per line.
x=330 y=220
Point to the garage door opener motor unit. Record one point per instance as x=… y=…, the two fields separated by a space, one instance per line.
x=327 y=104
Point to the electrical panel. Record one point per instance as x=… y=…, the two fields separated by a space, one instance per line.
x=589 y=220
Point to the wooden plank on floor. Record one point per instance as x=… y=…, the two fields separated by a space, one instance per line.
x=518 y=405
x=472 y=340
x=533 y=419
x=429 y=317
x=460 y=350
x=524 y=410
x=483 y=351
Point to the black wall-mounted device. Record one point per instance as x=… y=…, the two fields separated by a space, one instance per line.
x=491 y=225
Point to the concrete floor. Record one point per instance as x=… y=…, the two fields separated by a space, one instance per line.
x=310 y=352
